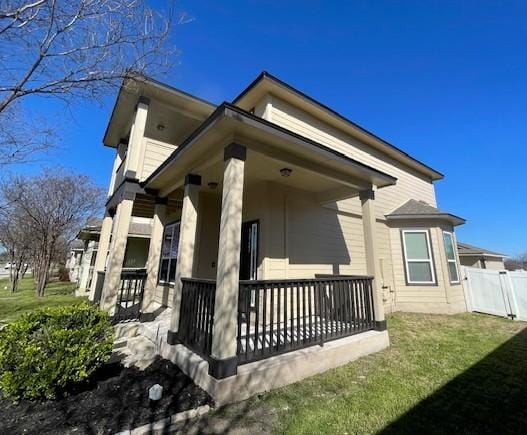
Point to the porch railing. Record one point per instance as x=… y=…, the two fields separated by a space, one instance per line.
x=130 y=296
x=275 y=317
x=197 y=314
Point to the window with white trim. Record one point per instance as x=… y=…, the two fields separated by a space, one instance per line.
x=448 y=240
x=169 y=247
x=418 y=257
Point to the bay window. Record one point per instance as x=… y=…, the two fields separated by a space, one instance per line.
x=418 y=258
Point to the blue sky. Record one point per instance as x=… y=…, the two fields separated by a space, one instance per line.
x=445 y=81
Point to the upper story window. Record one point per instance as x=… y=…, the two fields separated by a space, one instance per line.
x=167 y=268
x=453 y=273
x=418 y=259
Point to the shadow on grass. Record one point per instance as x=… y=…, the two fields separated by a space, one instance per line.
x=489 y=397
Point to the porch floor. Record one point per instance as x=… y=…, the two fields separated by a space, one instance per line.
x=305 y=331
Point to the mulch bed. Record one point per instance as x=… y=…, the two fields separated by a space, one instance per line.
x=116 y=399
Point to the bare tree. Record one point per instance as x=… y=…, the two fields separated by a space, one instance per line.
x=16 y=241
x=516 y=262
x=71 y=49
x=23 y=138
x=54 y=204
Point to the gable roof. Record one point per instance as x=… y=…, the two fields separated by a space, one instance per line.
x=464 y=249
x=267 y=82
x=413 y=209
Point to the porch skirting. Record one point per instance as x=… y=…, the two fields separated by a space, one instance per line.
x=277 y=371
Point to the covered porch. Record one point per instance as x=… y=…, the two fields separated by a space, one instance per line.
x=233 y=304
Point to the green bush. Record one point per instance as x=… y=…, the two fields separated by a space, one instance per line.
x=45 y=352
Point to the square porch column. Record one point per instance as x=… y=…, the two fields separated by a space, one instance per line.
x=185 y=255
x=367 y=198
x=102 y=252
x=154 y=255
x=224 y=361
x=112 y=279
x=135 y=144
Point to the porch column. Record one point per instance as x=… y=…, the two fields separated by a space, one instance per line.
x=185 y=254
x=135 y=144
x=154 y=254
x=84 y=268
x=123 y=216
x=372 y=259
x=223 y=361
x=102 y=251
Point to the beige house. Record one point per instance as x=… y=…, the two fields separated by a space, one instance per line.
x=472 y=256
x=281 y=232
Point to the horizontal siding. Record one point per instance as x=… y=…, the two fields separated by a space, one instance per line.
x=410 y=184
x=155 y=153
x=319 y=240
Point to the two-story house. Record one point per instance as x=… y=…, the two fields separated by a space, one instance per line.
x=281 y=232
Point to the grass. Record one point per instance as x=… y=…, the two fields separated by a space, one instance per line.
x=437 y=367
x=24 y=300
x=465 y=373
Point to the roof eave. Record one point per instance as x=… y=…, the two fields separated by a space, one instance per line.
x=425 y=169
x=222 y=111
x=147 y=81
x=453 y=219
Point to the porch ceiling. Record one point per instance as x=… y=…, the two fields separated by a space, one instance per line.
x=316 y=167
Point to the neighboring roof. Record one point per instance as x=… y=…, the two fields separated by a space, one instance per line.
x=234 y=113
x=413 y=209
x=77 y=245
x=464 y=249
x=355 y=128
x=91 y=230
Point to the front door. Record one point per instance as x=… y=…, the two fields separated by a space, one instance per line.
x=249 y=251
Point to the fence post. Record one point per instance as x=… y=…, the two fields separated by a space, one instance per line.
x=506 y=281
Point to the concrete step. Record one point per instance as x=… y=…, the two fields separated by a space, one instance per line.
x=127 y=330
x=139 y=352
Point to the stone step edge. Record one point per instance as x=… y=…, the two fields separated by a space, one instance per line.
x=165 y=424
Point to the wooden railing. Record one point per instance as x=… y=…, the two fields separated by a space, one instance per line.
x=275 y=317
x=197 y=314
x=130 y=296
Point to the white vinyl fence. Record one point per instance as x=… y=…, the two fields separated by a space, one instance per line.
x=497 y=292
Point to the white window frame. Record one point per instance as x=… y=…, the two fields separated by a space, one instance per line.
x=454 y=244
x=430 y=259
x=169 y=258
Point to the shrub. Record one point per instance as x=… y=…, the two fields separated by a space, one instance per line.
x=45 y=352
x=63 y=273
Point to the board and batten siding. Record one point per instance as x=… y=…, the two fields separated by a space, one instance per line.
x=154 y=154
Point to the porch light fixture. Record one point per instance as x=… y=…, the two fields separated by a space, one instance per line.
x=212 y=185
x=285 y=172
x=160 y=127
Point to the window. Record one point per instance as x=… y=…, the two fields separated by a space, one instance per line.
x=167 y=268
x=418 y=257
x=448 y=238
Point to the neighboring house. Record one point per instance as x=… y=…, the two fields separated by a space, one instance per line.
x=472 y=256
x=135 y=257
x=277 y=225
x=74 y=260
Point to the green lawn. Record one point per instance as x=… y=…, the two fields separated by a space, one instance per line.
x=24 y=300
x=442 y=374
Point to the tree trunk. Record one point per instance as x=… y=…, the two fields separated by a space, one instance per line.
x=42 y=279
x=25 y=267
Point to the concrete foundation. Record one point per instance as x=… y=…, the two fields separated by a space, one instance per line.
x=277 y=371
